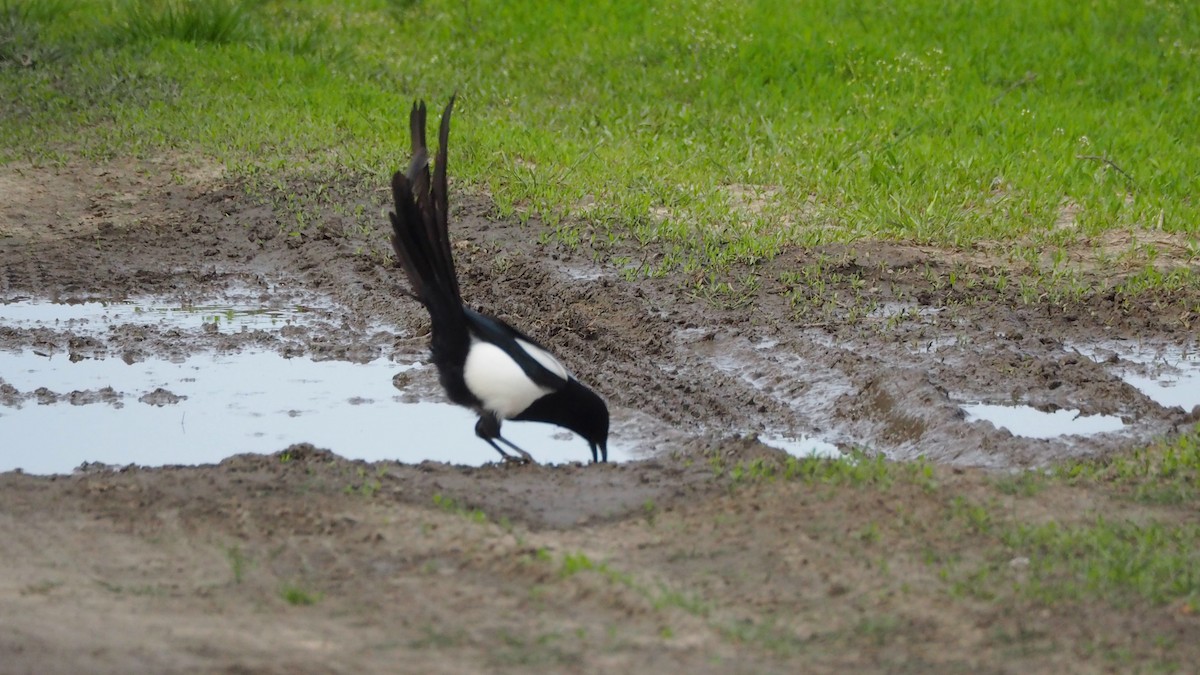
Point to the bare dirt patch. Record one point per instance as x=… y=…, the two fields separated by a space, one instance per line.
x=306 y=562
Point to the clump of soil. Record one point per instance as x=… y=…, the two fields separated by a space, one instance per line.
x=160 y=397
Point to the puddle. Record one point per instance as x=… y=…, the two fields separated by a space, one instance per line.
x=229 y=404
x=583 y=273
x=95 y=316
x=803 y=446
x=1029 y=422
x=1181 y=390
x=1170 y=377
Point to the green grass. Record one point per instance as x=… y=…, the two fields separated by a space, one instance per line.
x=295 y=595
x=364 y=484
x=856 y=469
x=237 y=562
x=1118 y=555
x=1166 y=472
x=1116 y=561
x=451 y=505
x=21 y=40
x=719 y=132
x=574 y=563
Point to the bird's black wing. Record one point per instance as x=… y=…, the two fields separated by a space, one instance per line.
x=548 y=373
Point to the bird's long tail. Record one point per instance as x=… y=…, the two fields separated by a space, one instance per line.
x=420 y=234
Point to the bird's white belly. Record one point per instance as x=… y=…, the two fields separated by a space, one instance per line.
x=497 y=381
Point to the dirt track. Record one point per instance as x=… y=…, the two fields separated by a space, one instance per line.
x=180 y=569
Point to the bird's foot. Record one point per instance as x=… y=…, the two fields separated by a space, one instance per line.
x=525 y=457
x=522 y=458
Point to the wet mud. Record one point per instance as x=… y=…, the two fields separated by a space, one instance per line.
x=675 y=366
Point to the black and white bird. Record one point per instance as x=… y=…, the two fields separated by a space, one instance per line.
x=483 y=363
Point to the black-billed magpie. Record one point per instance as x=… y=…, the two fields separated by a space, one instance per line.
x=483 y=363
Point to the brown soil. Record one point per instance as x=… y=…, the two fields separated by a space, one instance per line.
x=435 y=568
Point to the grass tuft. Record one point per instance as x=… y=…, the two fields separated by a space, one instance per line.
x=195 y=21
x=451 y=505
x=293 y=594
x=22 y=23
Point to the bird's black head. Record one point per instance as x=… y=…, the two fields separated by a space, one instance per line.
x=577 y=408
x=592 y=420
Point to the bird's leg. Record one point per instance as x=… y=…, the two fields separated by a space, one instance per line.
x=507 y=457
x=488 y=428
x=528 y=458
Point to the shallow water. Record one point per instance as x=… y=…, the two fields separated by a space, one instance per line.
x=802 y=446
x=1169 y=376
x=1029 y=422
x=243 y=402
x=85 y=317
x=210 y=406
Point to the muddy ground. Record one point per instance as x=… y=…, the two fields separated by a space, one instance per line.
x=307 y=562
